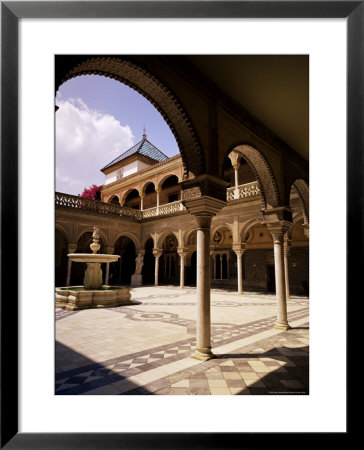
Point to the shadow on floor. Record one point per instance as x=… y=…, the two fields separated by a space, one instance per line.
x=291 y=377
x=87 y=375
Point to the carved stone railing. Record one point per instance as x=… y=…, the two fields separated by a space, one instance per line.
x=76 y=202
x=170 y=208
x=243 y=191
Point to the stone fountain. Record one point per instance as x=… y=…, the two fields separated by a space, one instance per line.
x=93 y=294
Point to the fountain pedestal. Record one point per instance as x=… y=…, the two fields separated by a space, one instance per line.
x=93 y=276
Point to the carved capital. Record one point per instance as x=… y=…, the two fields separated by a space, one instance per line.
x=72 y=248
x=235 y=159
x=239 y=249
x=203 y=221
x=278 y=230
x=204 y=206
x=279 y=214
x=183 y=252
x=157 y=252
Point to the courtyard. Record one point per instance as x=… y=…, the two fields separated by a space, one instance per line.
x=146 y=348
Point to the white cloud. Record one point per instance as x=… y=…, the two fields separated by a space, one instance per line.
x=86 y=141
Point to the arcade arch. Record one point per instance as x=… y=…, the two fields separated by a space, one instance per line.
x=261 y=169
x=162 y=98
x=122 y=270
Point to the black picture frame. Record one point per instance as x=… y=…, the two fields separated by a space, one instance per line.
x=11 y=12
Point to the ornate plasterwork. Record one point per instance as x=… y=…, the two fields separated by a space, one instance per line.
x=191 y=193
x=158 y=94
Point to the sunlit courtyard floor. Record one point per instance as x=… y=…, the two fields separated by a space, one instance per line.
x=145 y=348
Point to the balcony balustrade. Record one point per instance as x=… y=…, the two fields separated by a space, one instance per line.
x=242 y=192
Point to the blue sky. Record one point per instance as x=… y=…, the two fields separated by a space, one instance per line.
x=98 y=119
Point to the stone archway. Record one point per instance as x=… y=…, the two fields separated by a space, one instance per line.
x=161 y=97
x=122 y=270
x=168 y=266
x=263 y=172
x=301 y=187
x=148 y=270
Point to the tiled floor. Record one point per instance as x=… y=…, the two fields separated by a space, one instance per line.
x=145 y=348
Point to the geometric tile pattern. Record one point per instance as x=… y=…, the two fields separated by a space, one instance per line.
x=266 y=367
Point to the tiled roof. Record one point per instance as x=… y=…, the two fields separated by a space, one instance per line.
x=144 y=147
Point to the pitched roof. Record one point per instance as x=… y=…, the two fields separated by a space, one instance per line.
x=144 y=147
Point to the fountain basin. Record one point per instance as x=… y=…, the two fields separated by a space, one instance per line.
x=92 y=257
x=78 y=297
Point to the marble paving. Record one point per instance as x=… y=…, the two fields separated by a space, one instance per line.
x=145 y=348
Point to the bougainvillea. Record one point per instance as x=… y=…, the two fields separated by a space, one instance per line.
x=93 y=192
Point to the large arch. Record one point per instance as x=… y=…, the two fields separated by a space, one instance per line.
x=302 y=190
x=148 y=269
x=163 y=236
x=161 y=97
x=63 y=229
x=263 y=172
x=129 y=235
x=122 y=270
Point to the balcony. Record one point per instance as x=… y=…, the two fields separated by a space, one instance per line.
x=242 y=192
x=80 y=203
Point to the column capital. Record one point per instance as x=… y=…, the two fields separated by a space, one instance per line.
x=109 y=249
x=239 y=249
x=279 y=214
x=157 y=252
x=140 y=251
x=278 y=229
x=182 y=251
x=203 y=206
x=141 y=194
x=157 y=189
x=235 y=159
x=72 y=248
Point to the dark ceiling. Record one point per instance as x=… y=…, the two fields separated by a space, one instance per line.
x=275 y=89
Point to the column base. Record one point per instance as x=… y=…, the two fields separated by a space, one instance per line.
x=203 y=354
x=281 y=326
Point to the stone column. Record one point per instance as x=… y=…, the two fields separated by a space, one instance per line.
x=278 y=230
x=239 y=249
x=71 y=249
x=235 y=162
x=157 y=190
x=286 y=250
x=203 y=344
x=141 y=195
x=157 y=253
x=203 y=196
x=221 y=255
x=182 y=254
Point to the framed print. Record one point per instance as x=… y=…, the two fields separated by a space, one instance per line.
x=47 y=41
